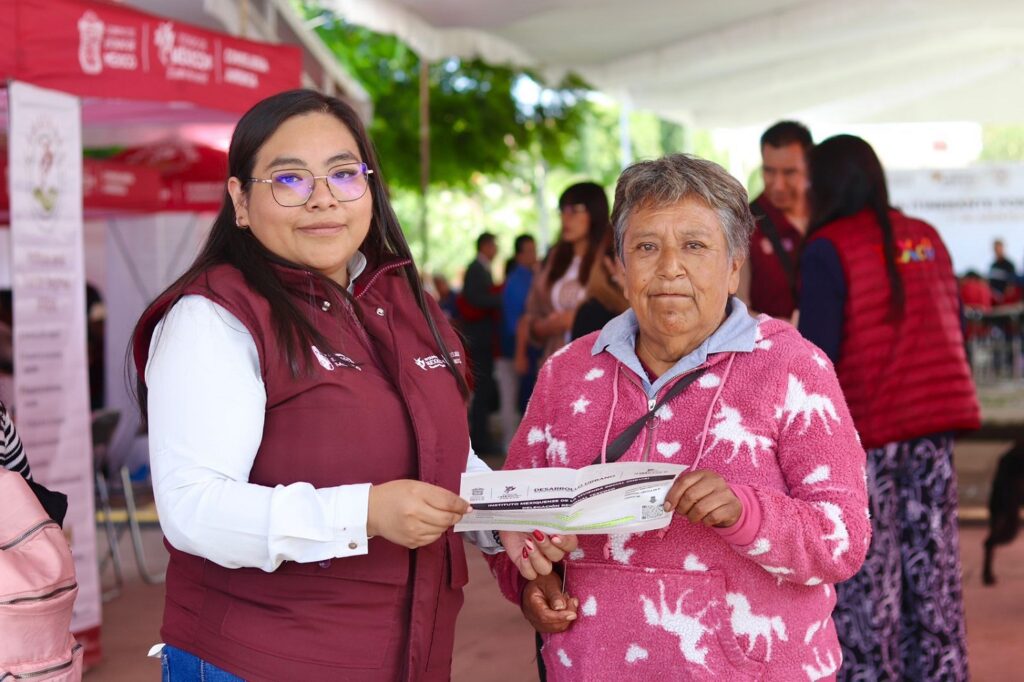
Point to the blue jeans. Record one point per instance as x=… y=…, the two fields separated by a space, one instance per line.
x=181 y=666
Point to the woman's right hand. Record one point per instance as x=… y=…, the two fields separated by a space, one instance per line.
x=412 y=513
x=545 y=605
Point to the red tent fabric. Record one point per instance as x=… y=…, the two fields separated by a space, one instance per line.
x=192 y=175
x=96 y=49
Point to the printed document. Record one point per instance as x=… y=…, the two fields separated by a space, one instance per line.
x=620 y=497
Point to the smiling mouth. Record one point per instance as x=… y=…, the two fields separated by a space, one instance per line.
x=323 y=229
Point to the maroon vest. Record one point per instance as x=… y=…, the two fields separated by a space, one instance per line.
x=909 y=378
x=770 y=289
x=397 y=413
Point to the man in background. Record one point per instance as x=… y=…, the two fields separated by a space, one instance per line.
x=480 y=309
x=782 y=213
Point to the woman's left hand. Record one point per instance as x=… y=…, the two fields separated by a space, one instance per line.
x=704 y=497
x=535 y=553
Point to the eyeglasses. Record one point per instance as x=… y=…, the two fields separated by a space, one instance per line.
x=572 y=209
x=293 y=187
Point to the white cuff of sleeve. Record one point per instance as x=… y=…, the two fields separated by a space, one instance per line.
x=351 y=507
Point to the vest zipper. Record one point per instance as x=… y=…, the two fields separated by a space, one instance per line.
x=49 y=595
x=24 y=536
x=45 y=671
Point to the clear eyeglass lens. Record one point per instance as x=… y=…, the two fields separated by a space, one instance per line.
x=347 y=182
x=292 y=187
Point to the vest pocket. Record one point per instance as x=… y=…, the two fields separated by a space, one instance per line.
x=304 y=618
x=648 y=622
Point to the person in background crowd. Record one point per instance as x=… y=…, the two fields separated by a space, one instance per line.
x=879 y=297
x=772 y=509
x=781 y=212
x=560 y=287
x=605 y=299
x=518 y=278
x=1002 y=275
x=306 y=408
x=446 y=298
x=480 y=309
x=96 y=321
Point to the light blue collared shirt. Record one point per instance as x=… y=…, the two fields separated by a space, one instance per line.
x=737 y=333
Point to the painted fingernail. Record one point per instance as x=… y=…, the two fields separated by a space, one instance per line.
x=540 y=536
x=557 y=539
x=529 y=544
x=526 y=553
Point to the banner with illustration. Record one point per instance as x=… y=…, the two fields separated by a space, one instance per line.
x=51 y=393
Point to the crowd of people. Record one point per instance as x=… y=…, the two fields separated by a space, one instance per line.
x=311 y=408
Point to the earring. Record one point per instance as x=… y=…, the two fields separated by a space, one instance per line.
x=239 y=224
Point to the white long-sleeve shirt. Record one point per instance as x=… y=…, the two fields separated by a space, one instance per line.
x=206 y=408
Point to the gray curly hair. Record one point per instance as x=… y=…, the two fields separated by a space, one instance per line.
x=674 y=178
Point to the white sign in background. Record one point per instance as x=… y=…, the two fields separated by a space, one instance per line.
x=970 y=207
x=51 y=394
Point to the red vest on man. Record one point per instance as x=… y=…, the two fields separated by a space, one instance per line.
x=396 y=413
x=907 y=378
x=771 y=291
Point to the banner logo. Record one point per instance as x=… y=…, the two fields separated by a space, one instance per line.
x=90 y=42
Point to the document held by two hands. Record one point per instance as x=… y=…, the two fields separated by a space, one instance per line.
x=620 y=497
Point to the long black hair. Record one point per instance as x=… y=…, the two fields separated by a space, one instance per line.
x=591 y=195
x=227 y=244
x=846 y=178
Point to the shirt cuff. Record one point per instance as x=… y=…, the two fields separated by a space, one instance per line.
x=744 y=531
x=352 y=503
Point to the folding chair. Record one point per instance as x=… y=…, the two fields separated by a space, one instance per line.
x=116 y=505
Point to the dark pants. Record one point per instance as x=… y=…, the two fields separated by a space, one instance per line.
x=485 y=392
x=901 y=617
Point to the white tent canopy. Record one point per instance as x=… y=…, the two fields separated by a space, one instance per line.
x=743 y=62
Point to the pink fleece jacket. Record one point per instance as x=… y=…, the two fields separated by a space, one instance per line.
x=749 y=602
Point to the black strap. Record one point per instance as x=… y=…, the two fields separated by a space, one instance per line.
x=618 y=447
x=769 y=230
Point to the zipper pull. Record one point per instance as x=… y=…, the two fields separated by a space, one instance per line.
x=650 y=404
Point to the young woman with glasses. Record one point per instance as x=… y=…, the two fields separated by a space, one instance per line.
x=306 y=409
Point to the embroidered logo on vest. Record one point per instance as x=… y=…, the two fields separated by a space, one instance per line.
x=331 y=363
x=434 y=362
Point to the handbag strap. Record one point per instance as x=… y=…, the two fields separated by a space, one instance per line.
x=617 y=448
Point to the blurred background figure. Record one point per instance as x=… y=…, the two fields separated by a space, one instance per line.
x=519 y=271
x=879 y=297
x=480 y=309
x=605 y=299
x=446 y=297
x=1002 y=275
x=560 y=287
x=781 y=212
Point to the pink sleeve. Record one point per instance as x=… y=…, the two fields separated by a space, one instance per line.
x=817 y=530
x=746 y=527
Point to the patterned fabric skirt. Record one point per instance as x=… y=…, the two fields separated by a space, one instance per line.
x=901 y=617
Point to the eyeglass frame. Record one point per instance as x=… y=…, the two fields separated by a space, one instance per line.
x=364 y=170
x=573 y=209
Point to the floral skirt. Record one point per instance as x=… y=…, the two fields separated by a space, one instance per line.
x=901 y=617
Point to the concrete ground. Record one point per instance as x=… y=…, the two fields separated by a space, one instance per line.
x=494 y=643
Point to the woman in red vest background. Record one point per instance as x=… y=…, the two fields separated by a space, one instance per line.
x=307 y=424
x=879 y=296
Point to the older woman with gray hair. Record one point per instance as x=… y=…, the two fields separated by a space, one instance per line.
x=771 y=505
